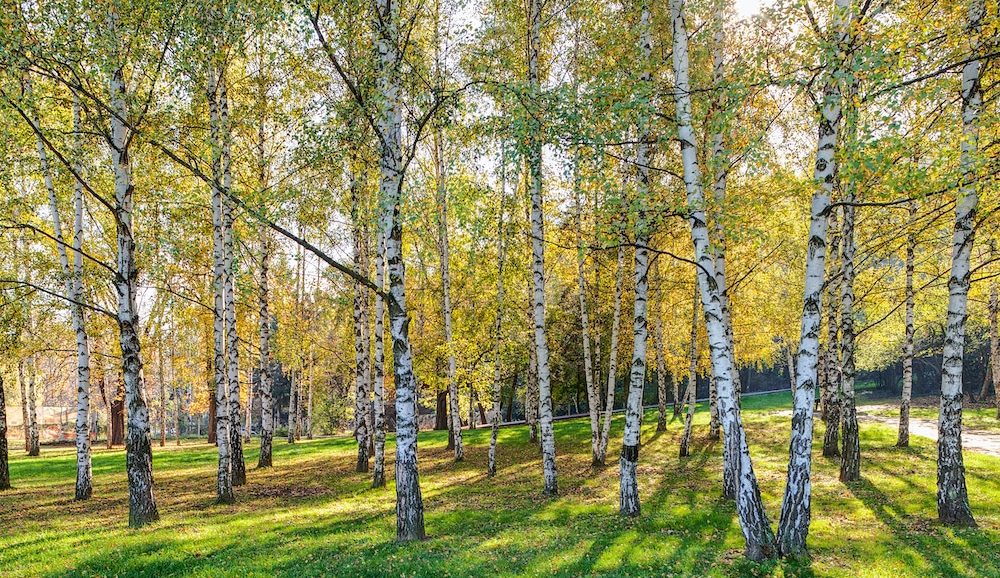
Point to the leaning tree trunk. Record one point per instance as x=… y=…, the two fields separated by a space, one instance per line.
x=903 y=439
x=692 y=385
x=454 y=411
x=952 y=496
x=378 y=388
x=224 y=477
x=139 y=455
x=74 y=291
x=4 y=469
x=629 y=460
x=264 y=379
x=609 y=402
x=548 y=440
x=409 y=502
x=760 y=542
x=793 y=526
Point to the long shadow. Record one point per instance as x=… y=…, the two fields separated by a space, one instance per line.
x=929 y=544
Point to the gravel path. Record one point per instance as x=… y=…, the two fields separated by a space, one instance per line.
x=974 y=440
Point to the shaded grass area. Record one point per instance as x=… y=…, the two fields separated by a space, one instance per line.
x=311 y=515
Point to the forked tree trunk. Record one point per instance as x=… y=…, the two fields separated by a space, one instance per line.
x=409 y=502
x=609 y=402
x=138 y=455
x=952 y=496
x=224 y=477
x=760 y=542
x=73 y=275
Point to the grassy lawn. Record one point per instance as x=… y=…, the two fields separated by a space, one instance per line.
x=981 y=416
x=312 y=515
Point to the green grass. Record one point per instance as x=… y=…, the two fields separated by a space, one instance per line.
x=312 y=515
x=980 y=417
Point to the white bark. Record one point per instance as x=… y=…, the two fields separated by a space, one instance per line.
x=224 y=477
x=903 y=439
x=73 y=279
x=952 y=495
x=760 y=543
x=831 y=405
x=616 y=317
x=362 y=342
x=139 y=457
x=690 y=394
x=628 y=463
x=593 y=395
x=491 y=468
x=409 y=502
x=538 y=259
x=661 y=377
x=378 y=389
x=4 y=452
x=265 y=377
x=454 y=411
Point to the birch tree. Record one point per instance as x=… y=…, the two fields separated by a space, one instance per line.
x=609 y=402
x=264 y=375
x=903 y=438
x=692 y=384
x=952 y=495
x=760 y=542
x=628 y=463
x=793 y=526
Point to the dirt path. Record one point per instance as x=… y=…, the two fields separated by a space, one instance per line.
x=974 y=440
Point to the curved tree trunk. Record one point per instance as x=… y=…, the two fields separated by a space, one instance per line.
x=760 y=542
x=952 y=496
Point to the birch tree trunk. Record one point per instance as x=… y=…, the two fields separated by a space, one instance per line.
x=793 y=526
x=22 y=384
x=239 y=473
x=138 y=455
x=378 y=417
x=850 y=463
x=831 y=406
x=293 y=410
x=454 y=411
x=903 y=439
x=629 y=460
x=224 y=483
x=34 y=448
x=952 y=496
x=616 y=317
x=74 y=290
x=161 y=410
x=692 y=385
x=491 y=468
x=531 y=387
x=409 y=502
x=661 y=377
x=362 y=342
x=995 y=344
x=760 y=542
x=264 y=377
x=593 y=395
x=551 y=486
x=4 y=452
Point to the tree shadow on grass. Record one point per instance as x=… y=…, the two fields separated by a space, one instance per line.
x=965 y=553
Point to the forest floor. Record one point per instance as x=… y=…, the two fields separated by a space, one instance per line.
x=312 y=515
